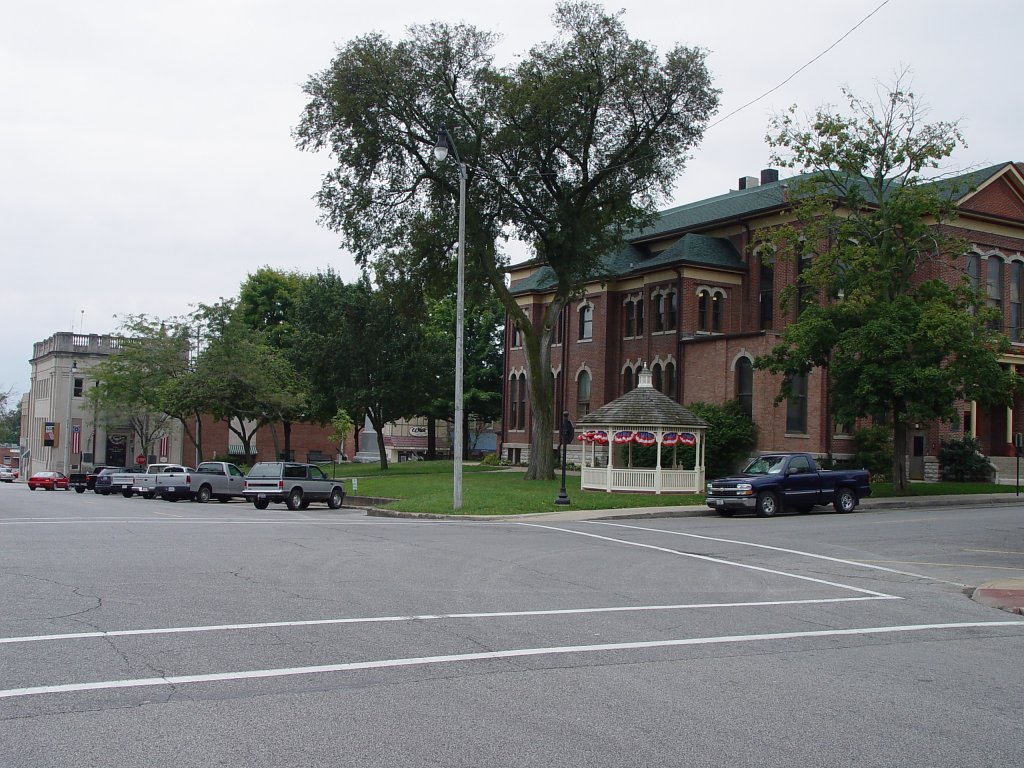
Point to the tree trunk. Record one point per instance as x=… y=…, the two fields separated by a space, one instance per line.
x=899 y=455
x=288 y=439
x=541 y=389
x=378 y=425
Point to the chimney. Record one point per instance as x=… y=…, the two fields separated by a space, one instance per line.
x=768 y=175
x=746 y=182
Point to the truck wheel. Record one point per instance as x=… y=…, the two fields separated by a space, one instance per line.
x=261 y=503
x=336 y=498
x=767 y=504
x=294 y=500
x=79 y=490
x=304 y=504
x=845 y=501
x=127 y=493
x=204 y=493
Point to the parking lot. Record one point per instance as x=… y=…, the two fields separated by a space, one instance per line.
x=137 y=632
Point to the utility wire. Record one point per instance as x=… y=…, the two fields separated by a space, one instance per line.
x=805 y=66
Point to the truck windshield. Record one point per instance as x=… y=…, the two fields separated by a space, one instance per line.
x=766 y=465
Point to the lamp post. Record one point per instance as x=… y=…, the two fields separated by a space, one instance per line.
x=566 y=434
x=444 y=143
x=67 y=434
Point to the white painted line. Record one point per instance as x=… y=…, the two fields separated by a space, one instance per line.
x=425 y=617
x=480 y=656
x=718 y=560
x=213 y=521
x=862 y=564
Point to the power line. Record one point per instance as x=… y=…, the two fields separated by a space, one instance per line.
x=805 y=66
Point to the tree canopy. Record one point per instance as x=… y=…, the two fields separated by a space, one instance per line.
x=892 y=338
x=568 y=149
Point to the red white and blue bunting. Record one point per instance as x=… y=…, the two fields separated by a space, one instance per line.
x=625 y=436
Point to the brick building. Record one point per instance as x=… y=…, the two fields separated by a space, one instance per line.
x=692 y=299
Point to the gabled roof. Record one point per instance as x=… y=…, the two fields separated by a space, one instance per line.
x=643 y=406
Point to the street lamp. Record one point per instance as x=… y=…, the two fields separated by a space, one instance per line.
x=566 y=433
x=67 y=434
x=444 y=143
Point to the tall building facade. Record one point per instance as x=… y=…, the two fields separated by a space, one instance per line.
x=695 y=300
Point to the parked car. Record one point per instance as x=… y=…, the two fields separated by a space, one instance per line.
x=7 y=475
x=51 y=481
x=84 y=481
x=131 y=481
x=295 y=484
x=105 y=480
x=775 y=481
x=219 y=480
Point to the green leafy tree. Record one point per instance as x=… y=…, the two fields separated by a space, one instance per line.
x=141 y=386
x=10 y=420
x=365 y=350
x=342 y=425
x=567 y=149
x=866 y=222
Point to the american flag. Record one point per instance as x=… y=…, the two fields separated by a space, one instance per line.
x=76 y=439
x=165 y=444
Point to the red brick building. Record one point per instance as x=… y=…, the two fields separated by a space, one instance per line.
x=691 y=298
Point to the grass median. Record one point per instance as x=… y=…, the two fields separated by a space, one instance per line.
x=426 y=487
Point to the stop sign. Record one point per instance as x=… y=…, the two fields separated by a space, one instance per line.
x=140 y=459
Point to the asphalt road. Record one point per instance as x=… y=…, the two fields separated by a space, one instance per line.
x=143 y=633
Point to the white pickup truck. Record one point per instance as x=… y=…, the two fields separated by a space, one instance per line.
x=142 y=483
x=219 y=480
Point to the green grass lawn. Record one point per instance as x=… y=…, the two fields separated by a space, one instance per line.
x=426 y=486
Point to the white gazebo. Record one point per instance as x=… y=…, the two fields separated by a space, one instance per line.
x=645 y=417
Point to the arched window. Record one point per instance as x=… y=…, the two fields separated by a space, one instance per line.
x=633 y=310
x=670 y=311
x=658 y=380
x=703 y=299
x=659 y=312
x=974 y=270
x=796 y=405
x=745 y=385
x=1016 y=295
x=717 y=308
x=995 y=289
x=670 y=380
x=513 y=402
x=586 y=322
x=628 y=381
x=582 y=394
x=522 y=401
x=766 y=297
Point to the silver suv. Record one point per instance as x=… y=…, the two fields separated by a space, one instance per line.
x=295 y=484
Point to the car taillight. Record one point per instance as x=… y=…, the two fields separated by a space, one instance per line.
x=188 y=478
x=280 y=484
x=245 y=484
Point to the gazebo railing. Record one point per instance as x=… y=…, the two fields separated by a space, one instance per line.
x=642 y=480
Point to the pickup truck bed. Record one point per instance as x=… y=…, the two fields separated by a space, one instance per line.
x=774 y=482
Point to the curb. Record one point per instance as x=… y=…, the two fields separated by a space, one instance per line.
x=1004 y=594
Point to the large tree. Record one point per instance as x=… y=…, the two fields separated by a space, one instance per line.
x=891 y=337
x=365 y=350
x=567 y=150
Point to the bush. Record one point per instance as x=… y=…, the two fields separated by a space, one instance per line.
x=962 y=461
x=873 y=451
x=491 y=460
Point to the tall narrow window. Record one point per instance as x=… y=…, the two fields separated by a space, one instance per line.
x=513 y=402
x=628 y=382
x=745 y=385
x=630 y=310
x=974 y=270
x=582 y=395
x=703 y=299
x=522 y=401
x=79 y=386
x=766 y=297
x=586 y=322
x=1016 y=293
x=717 y=303
x=659 y=309
x=517 y=339
x=796 y=405
x=670 y=380
x=995 y=289
x=658 y=381
x=670 y=311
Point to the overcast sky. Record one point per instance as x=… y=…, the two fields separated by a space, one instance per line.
x=146 y=154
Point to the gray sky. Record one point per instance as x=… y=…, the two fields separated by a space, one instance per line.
x=146 y=155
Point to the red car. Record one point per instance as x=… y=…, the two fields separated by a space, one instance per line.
x=51 y=481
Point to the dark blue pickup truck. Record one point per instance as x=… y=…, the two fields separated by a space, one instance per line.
x=773 y=482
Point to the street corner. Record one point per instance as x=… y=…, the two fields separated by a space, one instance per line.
x=1005 y=594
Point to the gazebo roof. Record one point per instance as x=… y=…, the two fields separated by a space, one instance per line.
x=643 y=406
